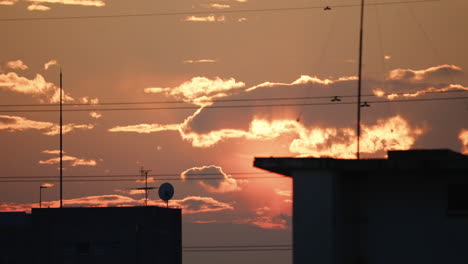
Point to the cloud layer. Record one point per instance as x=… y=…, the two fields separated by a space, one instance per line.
x=17 y=123
x=463 y=136
x=189 y=204
x=218 y=182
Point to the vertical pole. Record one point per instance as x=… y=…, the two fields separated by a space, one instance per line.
x=146 y=188
x=40 y=196
x=358 y=125
x=61 y=146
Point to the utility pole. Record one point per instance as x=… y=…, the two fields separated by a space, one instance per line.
x=358 y=125
x=61 y=146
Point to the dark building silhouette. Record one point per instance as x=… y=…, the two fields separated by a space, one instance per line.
x=409 y=208
x=97 y=235
x=15 y=238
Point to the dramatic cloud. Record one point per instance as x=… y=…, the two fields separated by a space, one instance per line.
x=74 y=161
x=198 y=204
x=17 y=123
x=386 y=134
x=340 y=142
x=440 y=71
x=8 y=2
x=304 y=79
x=88 y=100
x=393 y=133
x=463 y=136
x=53 y=152
x=130 y=192
x=145 y=128
x=281 y=221
x=452 y=87
x=95 y=3
x=96 y=115
x=285 y=193
x=200 y=90
x=217 y=6
x=17 y=64
x=189 y=205
x=37 y=7
x=37 y=87
x=219 y=181
x=50 y=63
x=88 y=201
x=210 y=18
x=199 y=61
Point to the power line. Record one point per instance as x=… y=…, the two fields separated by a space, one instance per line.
x=220 y=100
x=206 y=12
x=231 y=106
x=127 y=180
x=237 y=250
x=238 y=246
x=134 y=175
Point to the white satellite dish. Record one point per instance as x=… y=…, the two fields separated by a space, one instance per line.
x=166 y=192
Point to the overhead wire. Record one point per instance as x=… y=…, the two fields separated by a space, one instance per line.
x=149 y=175
x=235 y=248
x=129 y=180
x=219 y=100
x=231 y=106
x=204 y=12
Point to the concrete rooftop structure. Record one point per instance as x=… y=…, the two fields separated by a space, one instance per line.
x=409 y=208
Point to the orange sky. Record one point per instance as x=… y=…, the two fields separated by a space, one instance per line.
x=207 y=65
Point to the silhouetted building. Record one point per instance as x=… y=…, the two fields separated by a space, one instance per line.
x=104 y=235
x=15 y=237
x=409 y=208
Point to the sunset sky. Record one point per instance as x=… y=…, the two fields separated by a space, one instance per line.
x=184 y=82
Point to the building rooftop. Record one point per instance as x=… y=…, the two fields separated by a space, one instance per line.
x=420 y=160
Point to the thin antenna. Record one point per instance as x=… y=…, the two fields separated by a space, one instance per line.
x=145 y=173
x=61 y=145
x=358 y=125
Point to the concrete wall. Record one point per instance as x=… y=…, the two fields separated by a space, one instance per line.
x=108 y=235
x=314 y=217
x=408 y=221
x=377 y=219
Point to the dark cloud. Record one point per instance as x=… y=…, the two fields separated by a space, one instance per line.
x=218 y=180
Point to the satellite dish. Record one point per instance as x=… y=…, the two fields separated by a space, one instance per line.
x=166 y=191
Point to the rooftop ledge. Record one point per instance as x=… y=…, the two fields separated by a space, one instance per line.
x=421 y=160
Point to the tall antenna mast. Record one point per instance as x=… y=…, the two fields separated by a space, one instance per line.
x=145 y=173
x=61 y=146
x=358 y=125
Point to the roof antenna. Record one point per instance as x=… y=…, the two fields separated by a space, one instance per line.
x=61 y=145
x=358 y=123
x=144 y=172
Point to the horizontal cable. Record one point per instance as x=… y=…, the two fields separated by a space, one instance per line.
x=238 y=246
x=230 y=106
x=218 y=100
x=206 y=12
x=237 y=250
x=137 y=175
x=127 y=180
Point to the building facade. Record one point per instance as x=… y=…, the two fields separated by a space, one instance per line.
x=104 y=235
x=409 y=208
